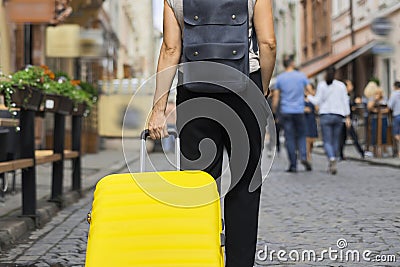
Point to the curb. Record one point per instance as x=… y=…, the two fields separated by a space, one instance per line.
x=14 y=226
x=370 y=161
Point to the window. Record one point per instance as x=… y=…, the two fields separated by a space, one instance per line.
x=340 y=6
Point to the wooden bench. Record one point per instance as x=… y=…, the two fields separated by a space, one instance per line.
x=32 y=157
x=9 y=122
x=68 y=154
x=46 y=156
x=13 y=165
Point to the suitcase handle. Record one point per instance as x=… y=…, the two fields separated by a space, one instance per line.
x=143 y=137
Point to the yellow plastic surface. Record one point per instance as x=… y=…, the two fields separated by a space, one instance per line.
x=165 y=219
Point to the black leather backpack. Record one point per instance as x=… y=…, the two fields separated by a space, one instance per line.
x=215 y=31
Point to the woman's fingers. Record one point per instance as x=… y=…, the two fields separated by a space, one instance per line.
x=157 y=126
x=152 y=133
x=155 y=132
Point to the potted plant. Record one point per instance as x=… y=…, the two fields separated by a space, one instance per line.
x=23 y=88
x=56 y=90
x=27 y=88
x=65 y=95
x=84 y=97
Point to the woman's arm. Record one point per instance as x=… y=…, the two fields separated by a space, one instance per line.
x=168 y=60
x=316 y=99
x=276 y=96
x=264 y=26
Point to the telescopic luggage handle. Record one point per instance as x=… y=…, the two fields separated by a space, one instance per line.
x=143 y=137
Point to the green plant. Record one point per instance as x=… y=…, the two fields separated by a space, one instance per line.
x=44 y=79
x=31 y=76
x=61 y=74
x=74 y=91
x=89 y=88
x=27 y=79
x=376 y=80
x=6 y=88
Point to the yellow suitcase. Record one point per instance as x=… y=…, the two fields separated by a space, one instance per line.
x=156 y=219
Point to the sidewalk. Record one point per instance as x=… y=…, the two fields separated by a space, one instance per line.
x=94 y=167
x=351 y=154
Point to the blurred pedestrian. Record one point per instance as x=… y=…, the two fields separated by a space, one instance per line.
x=368 y=93
x=371 y=89
x=241 y=203
x=289 y=94
x=334 y=108
x=311 y=122
x=350 y=130
x=394 y=105
x=378 y=109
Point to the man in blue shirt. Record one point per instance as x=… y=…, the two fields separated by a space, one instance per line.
x=289 y=94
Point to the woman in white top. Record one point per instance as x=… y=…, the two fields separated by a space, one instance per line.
x=333 y=102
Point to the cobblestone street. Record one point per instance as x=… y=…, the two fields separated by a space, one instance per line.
x=303 y=211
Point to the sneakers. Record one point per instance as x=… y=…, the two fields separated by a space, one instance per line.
x=306 y=165
x=332 y=167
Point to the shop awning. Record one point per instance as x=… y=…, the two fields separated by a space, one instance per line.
x=355 y=55
x=338 y=60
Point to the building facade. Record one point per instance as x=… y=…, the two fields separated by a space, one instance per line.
x=340 y=33
x=378 y=56
x=144 y=37
x=287 y=30
x=5 y=59
x=315 y=29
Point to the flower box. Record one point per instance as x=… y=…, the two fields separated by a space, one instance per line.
x=58 y=104
x=80 y=109
x=29 y=98
x=66 y=105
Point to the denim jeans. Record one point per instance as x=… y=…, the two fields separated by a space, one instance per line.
x=331 y=126
x=396 y=125
x=374 y=131
x=295 y=137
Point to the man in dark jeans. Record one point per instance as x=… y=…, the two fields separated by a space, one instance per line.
x=289 y=94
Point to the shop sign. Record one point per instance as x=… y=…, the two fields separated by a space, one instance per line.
x=381 y=26
x=63 y=41
x=30 y=11
x=382 y=49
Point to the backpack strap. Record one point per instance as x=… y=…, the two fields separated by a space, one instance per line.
x=254 y=40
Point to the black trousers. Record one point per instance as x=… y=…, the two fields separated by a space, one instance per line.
x=352 y=132
x=241 y=205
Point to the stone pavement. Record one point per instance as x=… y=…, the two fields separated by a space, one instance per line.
x=305 y=211
x=351 y=153
x=313 y=211
x=94 y=166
